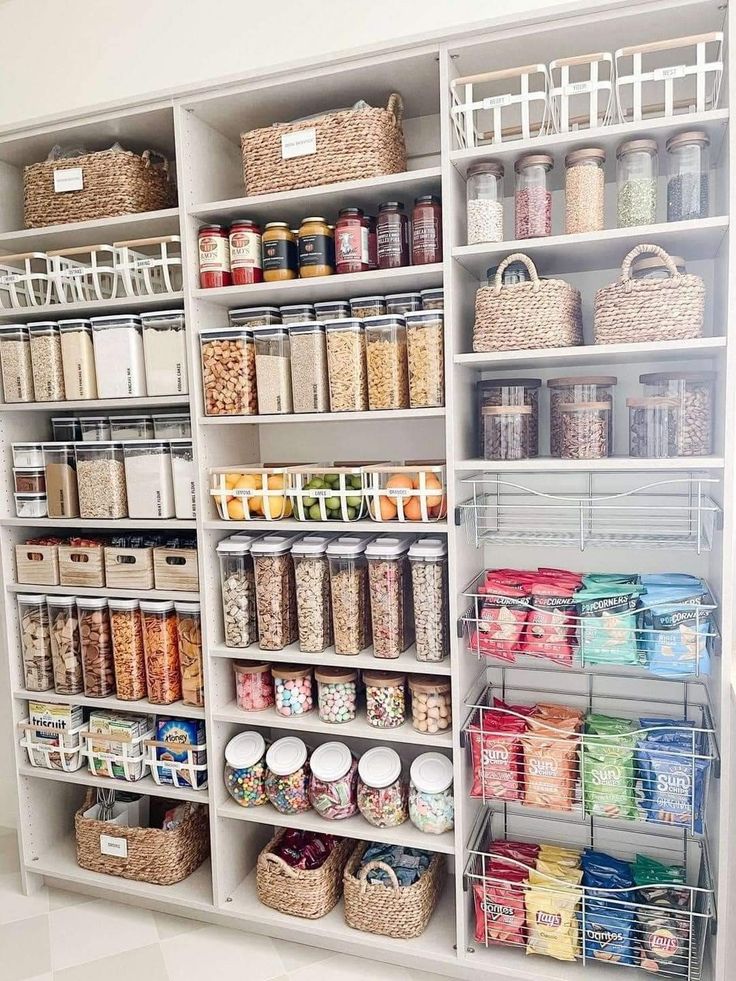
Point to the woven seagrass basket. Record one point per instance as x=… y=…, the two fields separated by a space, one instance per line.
x=518 y=316
x=632 y=310
x=309 y=893
x=352 y=144
x=114 y=183
x=391 y=911
x=153 y=855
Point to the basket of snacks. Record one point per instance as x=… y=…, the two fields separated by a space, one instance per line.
x=300 y=872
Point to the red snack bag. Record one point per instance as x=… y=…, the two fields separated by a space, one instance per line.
x=550 y=625
x=500 y=916
x=496 y=754
x=502 y=618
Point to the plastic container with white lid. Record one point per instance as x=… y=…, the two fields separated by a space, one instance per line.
x=189 y=642
x=254 y=316
x=119 y=360
x=172 y=425
x=238 y=587
x=431 y=801
x=27 y=454
x=60 y=465
x=66 y=429
x=332 y=310
x=351 y=620
x=131 y=427
x=273 y=370
x=346 y=365
x=149 y=479
x=333 y=784
x=161 y=647
x=78 y=359
x=287 y=775
x=95 y=429
x=101 y=480
x=165 y=352
x=35 y=641
x=386 y=362
x=48 y=371
x=15 y=363
x=401 y=303
x=245 y=769
x=425 y=354
x=31 y=505
x=296 y=313
x=66 y=650
x=314 y=607
x=389 y=581
x=309 y=384
x=98 y=663
x=433 y=299
x=368 y=306
x=275 y=591
x=228 y=363
x=127 y=648
x=184 y=477
x=382 y=792
x=428 y=561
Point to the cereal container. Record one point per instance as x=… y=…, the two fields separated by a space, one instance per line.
x=189 y=638
x=253 y=686
x=101 y=480
x=66 y=648
x=337 y=694
x=165 y=352
x=275 y=591
x=431 y=801
x=98 y=664
x=48 y=370
x=577 y=388
x=428 y=561
x=585 y=431
x=228 y=357
x=119 y=359
x=293 y=689
x=35 y=642
x=60 y=465
x=351 y=623
x=389 y=582
x=287 y=775
x=385 y=699
x=346 y=365
x=382 y=793
x=694 y=395
x=309 y=384
x=148 y=478
x=273 y=370
x=238 y=585
x=126 y=628
x=431 y=706
x=15 y=363
x=78 y=359
x=245 y=769
x=333 y=785
x=313 y=603
x=385 y=350
x=425 y=352
x=161 y=647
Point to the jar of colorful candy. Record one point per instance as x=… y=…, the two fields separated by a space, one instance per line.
x=382 y=793
x=287 y=775
x=385 y=699
x=253 y=686
x=333 y=784
x=337 y=694
x=245 y=769
x=293 y=689
x=431 y=801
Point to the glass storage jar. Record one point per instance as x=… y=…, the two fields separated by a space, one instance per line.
x=65 y=429
x=484 y=202
x=389 y=579
x=337 y=694
x=331 y=310
x=280 y=253
x=126 y=629
x=253 y=686
x=165 y=352
x=346 y=365
x=297 y=313
x=275 y=591
x=246 y=252
x=238 y=587
x=333 y=786
x=533 y=197
x=293 y=689
x=652 y=426
x=351 y=622
x=506 y=432
x=316 y=244
x=228 y=356
x=95 y=429
x=78 y=359
x=425 y=354
x=46 y=363
x=189 y=642
x=392 y=235
x=579 y=388
x=367 y=306
x=382 y=792
x=98 y=663
x=431 y=705
x=101 y=480
x=172 y=425
x=385 y=699
x=637 y=170
x=287 y=775
x=161 y=649
x=371 y=227
x=428 y=561
x=399 y=304
x=254 y=317
x=426 y=230
x=694 y=394
x=60 y=464
x=512 y=391
x=119 y=360
x=351 y=242
x=584 y=430
x=35 y=642
x=688 y=184
x=431 y=800
x=184 y=478
x=214 y=257
x=385 y=350
x=585 y=187
x=245 y=769
x=29 y=480
x=148 y=479
x=309 y=384
x=652 y=267
x=131 y=427
x=30 y=505
x=273 y=370
x=66 y=647
x=15 y=363
x=313 y=603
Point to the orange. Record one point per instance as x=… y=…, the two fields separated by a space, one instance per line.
x=387 y=509
x=398 y=480
x=413 y=509
x=236 y=509
x=432 y=483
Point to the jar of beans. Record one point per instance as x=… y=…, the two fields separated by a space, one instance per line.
x=245 y=769
x=428 y=560
x=275 y=591
x=688 y=185
x=351 y=619
x=694 y=395
x=484 y=202
x=238 y=586
x=161 y=648
x=253 y=686
x=385 y=699
x=126 y=628
x=584 y=430
x=287 y=775
x=512 y=391
x=582 y=388
x=98 y=663
x=636 y=178
x=333 y=786
x=389 y=581
x=383 y=797
x=337 y=694
x=431 y=705
x=652 y=427
x=293 y=688
x=533 y=197
x=585 y=190
x=506 y=432
x=313 y=603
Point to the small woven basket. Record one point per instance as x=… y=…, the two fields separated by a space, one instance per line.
x=300 y=892
x=632 y=310
x=153 y=855
x=518 y=316
x=114 y=183
x=353 y=144
x=391 y=911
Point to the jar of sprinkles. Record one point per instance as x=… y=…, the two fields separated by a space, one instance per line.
x=245 y=769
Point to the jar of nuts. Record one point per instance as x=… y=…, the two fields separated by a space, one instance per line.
x=228 y=357
x=275 y=591
x=351 y=621
x=346 y=365
x=694 y=393
x=35 y=642
x=98 y=663
x=126 y=628
x=66 y=650
x=431 y=705
x=337 y=694
x=585 y=190
x=385 y=699
x=425 y=352
x=428 y=560
x=652 y=427
x=512 y=391
x=584 y=430
x=506 y=432
x=238 y=586
x=313 y=603
x=579 y=388
x=161 y=648
x=388 y=376
x=389 y=581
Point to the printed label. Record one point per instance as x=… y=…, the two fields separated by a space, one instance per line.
x=349 y=245
x=674 y=71
x=316 y=250
x=577 y=88
x=245 y=250
x=10 y=278
x=69 y=179
x=144 y=263
x=496 y=101
x=113 y=846
x=214 y=254
x=279 y=255
x=300 y=144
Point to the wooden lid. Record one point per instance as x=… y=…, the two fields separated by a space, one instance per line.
x=428 y=683
x=250 y=667
x=335 y=675
x=568 y=382
x=289 y=671
x=383 y=679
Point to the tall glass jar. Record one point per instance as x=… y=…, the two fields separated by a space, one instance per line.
x=273 y=370
x=688 y=186
x=652 y=427
x=316 y=248
x=577 y=388
x=637 y=170
x=382 y=791
x=351 y=242
x=280 y=253
x=694 y=395
x=426 y=230
x=511 y=391
x=585 y=186
x=238 y=587
x=533 y=197
x=484 y=202
x=431 y=800
x=46 y=361
x=506 y=432
x=393 y=235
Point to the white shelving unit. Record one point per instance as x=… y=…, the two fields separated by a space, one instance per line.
x=201 y=131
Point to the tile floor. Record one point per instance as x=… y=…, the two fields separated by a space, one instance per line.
x=44 y=938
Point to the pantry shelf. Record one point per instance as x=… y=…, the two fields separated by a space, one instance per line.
x=379 y=415
x=178 y=709
x=155 y=594
x=102 y=231
x=405 y=663
x=91 y=405
x=686 y=464
x=93 y=308
x=112 y=524
x=146 y=785
x=365 y=524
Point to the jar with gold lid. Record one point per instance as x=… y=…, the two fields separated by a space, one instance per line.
x=280 y=253
x=316 y=248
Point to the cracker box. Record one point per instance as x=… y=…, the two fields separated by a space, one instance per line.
x=54 y=725
x=127 y=749
x=184 y=733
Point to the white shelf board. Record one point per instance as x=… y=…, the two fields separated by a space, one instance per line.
x=178 y=709
x=146 y=785
x=564 y=254
x=99 y=405
x=378 y=415
x=326 y=199
x=406 y=663
x=94 y=308
x=111 y=524
x=99 y=231
x=593 y=354
x=359 y=728
x=365 y=524
x=354 y=827
x=380 y=281
x=615 y=464
x=179 y=595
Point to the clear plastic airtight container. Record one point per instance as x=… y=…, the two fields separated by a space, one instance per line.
x=161 y=648
x=346 y=365
x=66 y=648
x=351 y=620
x=101 y=480
x=131 y=427
x=273 y=370
x=245 y=769
x=184 y=475
x=390 y=594
x=148 y=478
x=313 y=603
x=189 y=636
x=382 y=792
x=126 y=627
x=228 y=357
x=428 y=560
x=238 y=585
x=309 y=384
x=35 y=642
x=78 y=359
x=95 y=429
x=172 y=425
x=388 y=373
x=165 y=352
x=27 y=454
x=425 y=352
x=98 y=663
x=15 y=363
x=431 y=800
x=287 y=775
x=119 y=360
x=275 y=591
x=48 y=371
x=61 y=480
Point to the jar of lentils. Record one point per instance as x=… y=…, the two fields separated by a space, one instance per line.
x=585 y=190
x=583 y=388
x=512 y=391
x=584 y=430
x=337 y=694
x=694 y=394
x=385 y=699
x=688 y=184
x=637 y=170
x=484 y=202
x=533 y=198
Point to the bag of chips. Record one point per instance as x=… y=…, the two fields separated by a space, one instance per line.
x=550 y=756
x=551 y=914
x=550 y=625
x=672 y=772
x=663 y=935
x=499 y=905
x=608 y=623
x=495 y=753
x=675 y=630
x=609 y=914
x=502 y=618
x=608 y=767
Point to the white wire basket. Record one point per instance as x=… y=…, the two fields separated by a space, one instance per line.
x=167 y=767
x=581 y=92
x=416 y=491
x=150 y=266
x=250 y=492
x=25 y=281
x=88 y=272
x=53 y=747
x=126 y=763
x=341 y=488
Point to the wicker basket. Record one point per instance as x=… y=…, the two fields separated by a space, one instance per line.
x=540 y=313
x=353 y=144
x=300 y=892
x=153 y=855
x=115 y=183
x=647 y=309
x=391 y=911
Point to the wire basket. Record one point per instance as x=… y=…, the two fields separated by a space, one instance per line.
x=150 y=266
x=128 y=762
x=53 y=747
x=416 y=491
x=246 y=493
x=85 y=273
x=25 y=281
x=167 y=768
x=581 y=92
x=327 y=493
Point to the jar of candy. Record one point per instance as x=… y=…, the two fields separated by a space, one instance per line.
x=293 y=687
x=431 y=801
x=253 y=686
x=337 y=693
x=385 y=699
x=334 y=780
x=245 y=769
x=287 y=775
x=382 y=793
x=431 y=707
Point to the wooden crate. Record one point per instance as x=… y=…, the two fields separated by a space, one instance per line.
x=129 y=568
x=176 y=568
x=81 y=566
x=37 y=565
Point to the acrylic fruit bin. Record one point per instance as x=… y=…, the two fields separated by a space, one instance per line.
x=327 y=493
x=250 y=493
x=416 y=491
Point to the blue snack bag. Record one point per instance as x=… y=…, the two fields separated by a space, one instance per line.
x=608 y=623
x=672 y=772
x=608 y=917
x=675 y=629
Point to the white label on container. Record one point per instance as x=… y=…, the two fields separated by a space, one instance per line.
x=144 y=263
x=401 y=492
x=578 y=88
x=68 y=179
x=113 y=846
x=493 y=102
x=10 y=278
x=674 y=71
x=303 y=143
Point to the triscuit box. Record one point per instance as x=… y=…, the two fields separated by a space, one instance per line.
x=55 y=725
x=185 y=733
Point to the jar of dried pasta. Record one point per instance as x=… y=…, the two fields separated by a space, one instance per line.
x=425 y=353
x=385 y=348
x=189 y=636
x=346 y=365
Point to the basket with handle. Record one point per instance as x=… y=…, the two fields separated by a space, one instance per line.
x=114 y=182
x=309 y=893
x=536 y=314
x=390 y=910
x=352 y=144
x=645 y=310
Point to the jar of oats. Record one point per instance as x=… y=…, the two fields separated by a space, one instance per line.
x=15 y=363
x=273 y=370
x=101 y=480
x=228 y=358
x=388 y=376
x=346 y=365
x=351 y=619
x=425 y=352
x=313 y=603
x=694 y=395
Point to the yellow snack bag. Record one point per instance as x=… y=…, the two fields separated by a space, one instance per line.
x=556 y=862
x=552 y=924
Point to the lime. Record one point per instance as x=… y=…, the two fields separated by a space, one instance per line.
x=354 y=502
x=356 y=481
x=332 y=503
x=352 y=514
x=314 y=512
x=316 y=483
x=309 y=501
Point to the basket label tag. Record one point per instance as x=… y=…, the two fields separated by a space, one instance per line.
x=69 y=179
x=674 y=71
x=114 y=846
x=496 y=101
x=300 y=144
x=10 y=278
x=578 y=88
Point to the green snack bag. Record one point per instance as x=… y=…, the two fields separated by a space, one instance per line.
x=608 y=767
x=608 y=622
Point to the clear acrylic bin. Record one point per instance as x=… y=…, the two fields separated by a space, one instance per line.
x=60 y=464
x=388 y=374
x=189 y=636
x=165 y=352
x=273 y=370
x=228 y=357
x=98 y=663
x=238 y=587
x=389 y=580
x=15 y=363
x=66 y=645
x=78 y=359
x=428 y=560
x=425 y=352
x=351 y=618
x=48 y=371
x=346 y=365
x=172 y=425
x=184 y=476
x=161 y=648
x=309 y=382
x=101 y=480
x=131 y=427
x=95 y=429
x=119 y=360
x=275 y=591
x=35 y=642
x=148 y=478
x=313 y=602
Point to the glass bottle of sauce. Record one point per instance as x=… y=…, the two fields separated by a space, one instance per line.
x=369 y=222
x=280 y=253
x=214 y=257
x=351 y=242
x=316 y=248
x=426 y=231
x=246 y=256
x=393 y=236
